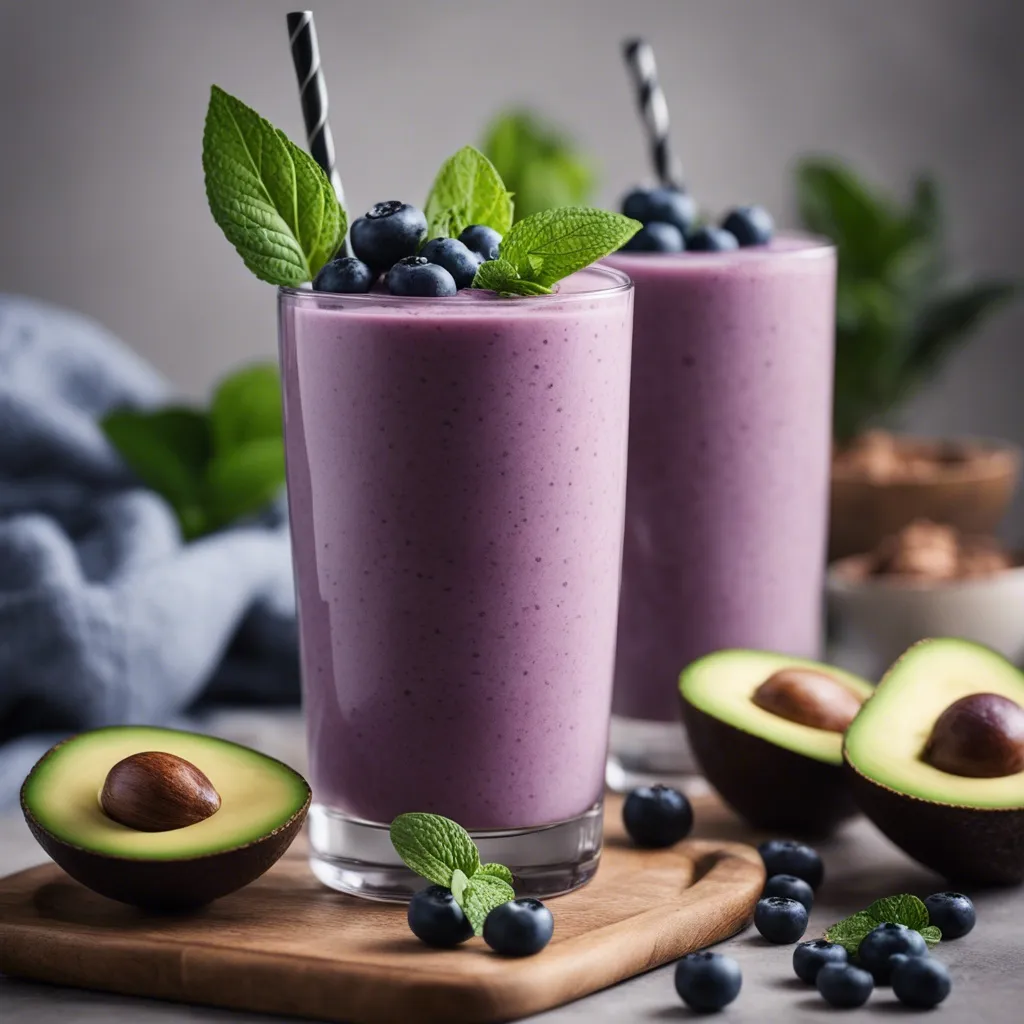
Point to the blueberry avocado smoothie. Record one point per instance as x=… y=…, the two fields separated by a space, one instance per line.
x=456 y=389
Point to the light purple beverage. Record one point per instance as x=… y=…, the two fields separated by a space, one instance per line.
x=456 y=482
x=727 y=493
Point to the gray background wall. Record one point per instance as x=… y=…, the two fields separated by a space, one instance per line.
x=102 y=101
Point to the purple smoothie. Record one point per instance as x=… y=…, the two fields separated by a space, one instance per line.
x=456 y=482
x=729 y=445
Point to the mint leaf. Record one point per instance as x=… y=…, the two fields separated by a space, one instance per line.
x=483 y=893
x=497 y=870
x=904 y=909
x=849 y=932
x=434 y=846
x=244 y=480
x=548 y=246
x=931 y=934
x=459 y=883
x=270 y=198
x=467 y=190
x=501 y=277
x=246 y=407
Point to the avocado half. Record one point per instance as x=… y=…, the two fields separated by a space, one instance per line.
x=965 y=828
x=778 y=774
x=263 y=804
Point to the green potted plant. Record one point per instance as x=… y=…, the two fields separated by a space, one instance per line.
x=899 y=316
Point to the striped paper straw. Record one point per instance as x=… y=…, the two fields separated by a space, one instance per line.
x=653 y=107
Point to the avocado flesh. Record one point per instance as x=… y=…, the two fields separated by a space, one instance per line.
x=258 y=794
x=886 y=740
x=722 y=685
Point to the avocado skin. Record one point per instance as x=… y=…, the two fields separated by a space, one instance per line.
x=983 y=846
x=770 y=787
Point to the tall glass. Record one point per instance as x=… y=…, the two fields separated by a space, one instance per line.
x=727 y=493
x=456 y=483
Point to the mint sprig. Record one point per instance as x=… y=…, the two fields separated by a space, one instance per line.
x=467 y=190
x=443 y=852
x=270 y=198
x=903 y=909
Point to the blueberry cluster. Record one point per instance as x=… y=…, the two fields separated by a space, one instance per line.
x=390 y=239
x=670 y=224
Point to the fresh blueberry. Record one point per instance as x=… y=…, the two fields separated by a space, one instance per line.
x=788 y=857
x=952 y=913
x=921 y=982
x=711 y=239
x=657 y=816
x=345 y=274
x=656 y=237
x=664 y=205
x=388 y=233
x=780 y=920
x=810 y=957
x=751 y=225
x=882 y=942
x=844 y=986
x=450 y=253
x=416 y=276
x=791 y=887
x=519 y=928
x=436 y=919
x=708 y=982
x=481 y=239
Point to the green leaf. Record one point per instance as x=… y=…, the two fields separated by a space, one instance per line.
x=501 y=277
x=271 y=200
x=434 y=846
x=905 y=909
x=850 y=932
x=548 y=246
x=244 y=480
x=246 y=407
x=497 y=870
x=931 y=934
x=458 y=886
x=483 y=893
x=467 y=190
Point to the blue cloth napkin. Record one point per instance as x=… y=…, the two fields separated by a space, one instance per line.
x=106 y=617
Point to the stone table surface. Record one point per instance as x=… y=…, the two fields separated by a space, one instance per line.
x=987 y=966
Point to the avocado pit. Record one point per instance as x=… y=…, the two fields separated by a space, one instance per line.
x=980 y=736
x=153 y=791
x=808 y=697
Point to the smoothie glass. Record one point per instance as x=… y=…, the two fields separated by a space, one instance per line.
x=456 y=483
x=727 y=492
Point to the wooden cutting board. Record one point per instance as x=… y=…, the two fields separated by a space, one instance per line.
x=286 y=945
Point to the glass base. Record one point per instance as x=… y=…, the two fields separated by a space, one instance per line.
x=356 y=857
x=644 y=753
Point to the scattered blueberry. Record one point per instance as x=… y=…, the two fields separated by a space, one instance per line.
x=882 y=942
x=416 y=276
x=810 y=957
x=436 y=919
x=450 y=253
x=952 y=913
x=751 y=225
x=657 y=816
x=519 y=928
x=791 y=887
x=708 y=982
x=712 y=239
x=388 y=233
x=664 y=205
x=780 y=920
x=844 y=986
x=788 y=857
x=345 y=274
x=921 y=982
x=481 y=239
x=657 y=237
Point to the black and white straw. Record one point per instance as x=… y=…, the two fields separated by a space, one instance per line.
x=653 y=107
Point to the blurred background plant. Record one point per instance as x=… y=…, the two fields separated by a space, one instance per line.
x=899 y=315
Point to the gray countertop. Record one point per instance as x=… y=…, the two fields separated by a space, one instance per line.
x=987 y=966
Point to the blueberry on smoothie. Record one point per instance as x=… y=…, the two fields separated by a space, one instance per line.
x=657 y=816
x=436 y=919
x=920 y=982
x=416 y=276
x=481 y=239
x=844 y=986
x=519 y=928
x=780 y=920
x=388 y=233
x=788 y=857
x=662 y=205
x=882 y=942
x=455 y=257
x=344 y=274
x=656 y=237
x=810 y=957
x=952 y=913
x=712 y=239
x=791 y=887
x=708 y=982
x=750 y=225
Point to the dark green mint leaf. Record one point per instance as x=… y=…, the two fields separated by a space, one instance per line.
x=434 y=846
